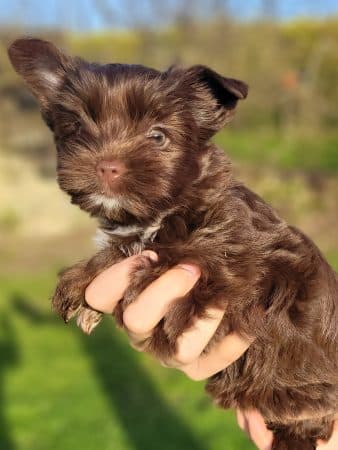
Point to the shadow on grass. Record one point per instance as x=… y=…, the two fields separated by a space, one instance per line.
x=9 y=357
x=26 y=308
x=148 y=420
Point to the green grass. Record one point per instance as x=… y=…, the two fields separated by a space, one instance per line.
x=61 y=390
x=292 y=151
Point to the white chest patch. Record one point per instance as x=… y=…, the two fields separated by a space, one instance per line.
x=104 y=238
x=128 y=230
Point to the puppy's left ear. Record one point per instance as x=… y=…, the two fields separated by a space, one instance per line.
x=42 y=66
x=213 y=97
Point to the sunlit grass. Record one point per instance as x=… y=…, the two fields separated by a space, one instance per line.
x=62 y=390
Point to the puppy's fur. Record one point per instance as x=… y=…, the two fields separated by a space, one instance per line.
x=178 y=196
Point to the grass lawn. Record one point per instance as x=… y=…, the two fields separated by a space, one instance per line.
x=61 y=390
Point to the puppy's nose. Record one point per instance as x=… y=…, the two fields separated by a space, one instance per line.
x=109 y=171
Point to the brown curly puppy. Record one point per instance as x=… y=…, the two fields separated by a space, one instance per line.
x=133 y=150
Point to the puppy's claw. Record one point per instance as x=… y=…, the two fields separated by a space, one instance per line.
x=68 y=313
x=88 y=319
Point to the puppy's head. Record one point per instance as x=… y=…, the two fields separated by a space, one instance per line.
x=129 y=138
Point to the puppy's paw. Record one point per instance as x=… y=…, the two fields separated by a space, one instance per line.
x=180 y=316
x=88 y=319
x=69 y=299
x=144 y=273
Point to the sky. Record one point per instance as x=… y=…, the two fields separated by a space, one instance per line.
x=97 y=14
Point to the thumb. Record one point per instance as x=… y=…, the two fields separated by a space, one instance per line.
x=108 y=288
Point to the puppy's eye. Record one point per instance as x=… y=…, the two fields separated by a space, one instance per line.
x=70 y=129
x=158 y=137
x=78 y=128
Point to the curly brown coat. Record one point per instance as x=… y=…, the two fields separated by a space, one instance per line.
x=178 y=197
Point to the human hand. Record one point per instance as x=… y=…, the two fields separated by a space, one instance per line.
x=145 y=313
x=141 y=317
x=253 y=424
x=332 y=444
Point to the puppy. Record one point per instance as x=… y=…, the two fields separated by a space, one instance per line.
x=133 y=149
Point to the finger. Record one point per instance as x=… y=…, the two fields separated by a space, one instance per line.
x=221 y=356
x=141 y=316
x=138 y=341
x=332 y=444
x=191 y=343
x=258 y=432
x=105 y=291
x=241 y=419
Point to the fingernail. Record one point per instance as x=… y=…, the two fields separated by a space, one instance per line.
x=191 y=268
x=150 y=255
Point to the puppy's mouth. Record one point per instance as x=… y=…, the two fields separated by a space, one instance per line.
x=112 y=190
x=109 y=201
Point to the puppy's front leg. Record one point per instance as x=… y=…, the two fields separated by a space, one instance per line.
x=69 y=297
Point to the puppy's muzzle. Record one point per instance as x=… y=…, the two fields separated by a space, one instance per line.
x=109 y=171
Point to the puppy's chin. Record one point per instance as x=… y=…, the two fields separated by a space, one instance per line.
x=110 y=203
x=122 y=208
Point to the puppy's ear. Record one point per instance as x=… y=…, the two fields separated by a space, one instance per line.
x=214 y=97
x=41 y=65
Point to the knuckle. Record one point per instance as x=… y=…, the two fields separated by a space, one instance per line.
x=92 y=299
x=133 y=323
x=196 y=377
x=183 y=356
x=170 y=363
x=193 y=375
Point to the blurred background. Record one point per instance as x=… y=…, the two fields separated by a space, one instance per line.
x=58 y=388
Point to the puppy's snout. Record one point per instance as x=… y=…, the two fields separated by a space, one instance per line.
x=109 y=171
